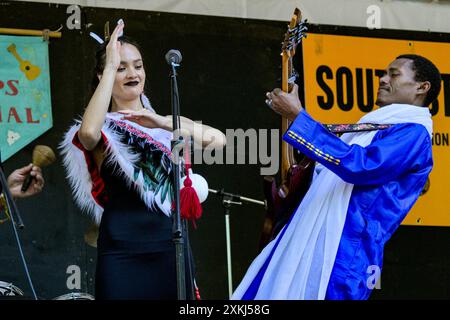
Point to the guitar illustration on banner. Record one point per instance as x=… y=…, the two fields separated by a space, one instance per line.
x=31 y=71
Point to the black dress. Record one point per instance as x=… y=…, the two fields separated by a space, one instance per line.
x=136 y=255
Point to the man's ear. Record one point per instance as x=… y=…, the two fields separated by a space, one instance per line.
x=424 y=87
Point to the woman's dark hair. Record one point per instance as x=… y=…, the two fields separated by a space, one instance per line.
x=425 y=70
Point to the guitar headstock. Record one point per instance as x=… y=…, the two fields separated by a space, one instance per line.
x=295 y=33
x=293 y=36
x=11 y=48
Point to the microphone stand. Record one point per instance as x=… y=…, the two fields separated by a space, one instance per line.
x=10 y=206
x=228 y=199
x=179 y=227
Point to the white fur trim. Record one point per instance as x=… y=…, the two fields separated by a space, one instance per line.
x=78 y=175
x=146 y=103
x=124 y=160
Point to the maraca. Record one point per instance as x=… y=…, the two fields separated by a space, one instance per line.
x=42 y=157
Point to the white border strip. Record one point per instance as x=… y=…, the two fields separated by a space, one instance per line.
x=416 y=15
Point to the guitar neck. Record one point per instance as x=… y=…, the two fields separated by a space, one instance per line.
x=13 y=51
x=296 y=31
x=287 y=153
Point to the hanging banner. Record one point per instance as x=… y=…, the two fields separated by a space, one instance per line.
x=342 y=74
x=25 y=100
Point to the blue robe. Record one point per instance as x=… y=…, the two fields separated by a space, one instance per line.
x=388 y=176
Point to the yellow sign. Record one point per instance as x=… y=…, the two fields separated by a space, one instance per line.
x=341 y=81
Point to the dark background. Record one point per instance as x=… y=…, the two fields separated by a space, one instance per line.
x=228 y=65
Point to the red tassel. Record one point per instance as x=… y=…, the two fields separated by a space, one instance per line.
x=190 y=208
x=197 y=294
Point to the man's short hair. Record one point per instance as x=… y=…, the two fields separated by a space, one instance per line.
x=425 y=70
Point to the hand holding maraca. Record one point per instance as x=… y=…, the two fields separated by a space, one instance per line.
x=17 y=178
x=27 y=181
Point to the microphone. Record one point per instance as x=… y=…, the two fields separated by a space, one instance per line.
x=173 y=56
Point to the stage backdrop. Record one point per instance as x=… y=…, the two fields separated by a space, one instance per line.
x=228 y=65
x=341 y=81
